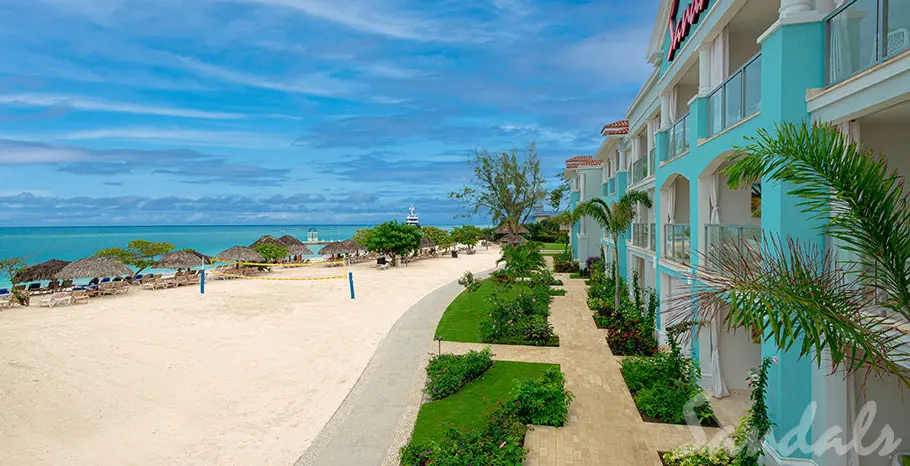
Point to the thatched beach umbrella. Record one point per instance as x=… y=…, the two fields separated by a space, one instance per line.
x=91 y=267
x=179 y=260
x=240 y=254
x=289 y=240
x=299 y=250
x=267 y=239
x=43 y=271
x=513 y=239
x=426 y=243
x=351 y=246
x=205 y=259
x=506 y=229
x=332 y=249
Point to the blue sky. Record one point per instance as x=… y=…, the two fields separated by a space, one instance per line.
x=294 y=111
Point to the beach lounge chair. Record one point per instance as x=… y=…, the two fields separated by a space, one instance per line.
x=4 y=291
x=121 y=287
x=57 y=299
x=5 y=301
x=106 y=288
x=80 y=297
x=67 y=284
x=34 y=288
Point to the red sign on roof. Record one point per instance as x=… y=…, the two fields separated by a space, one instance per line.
x=679 y=30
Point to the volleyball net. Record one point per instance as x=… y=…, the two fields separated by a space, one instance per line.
x=226 y=271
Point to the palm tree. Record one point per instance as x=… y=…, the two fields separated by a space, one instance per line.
x=802 y=294
x=614 y=219
x=522 y=260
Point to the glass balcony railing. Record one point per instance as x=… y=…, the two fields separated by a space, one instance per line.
x=677 y=242
x=603 y=190
x=678 y=138
x=643 y=235
x=611 y=185
x=744 y=238
x=738 y=98
x=863 y=33
x=652 y=161
x=639 y=169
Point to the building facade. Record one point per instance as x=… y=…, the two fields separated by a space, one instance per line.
x=723 y=69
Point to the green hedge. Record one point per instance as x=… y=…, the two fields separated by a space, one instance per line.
x=447 y=373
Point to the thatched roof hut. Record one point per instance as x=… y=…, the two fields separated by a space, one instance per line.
x=205 y=259
x=91 y=267
x=426 y=243
x=333 y=248
x=506 y=229
x=299 y=250
x=513 y=239
x=179 y=260
x=350 y=246
x=240 y=254
x=43 y=271
x=268 y=239
x=289 y=240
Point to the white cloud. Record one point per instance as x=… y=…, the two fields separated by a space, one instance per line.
x=311 y=84
x=183 y=136
x=89 y=104
x=616 y=56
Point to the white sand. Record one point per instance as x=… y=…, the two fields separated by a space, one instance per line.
x=246 y=374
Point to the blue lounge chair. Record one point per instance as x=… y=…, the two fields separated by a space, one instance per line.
x=105 y=279
x=4 y=291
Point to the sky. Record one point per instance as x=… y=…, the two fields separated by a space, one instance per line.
x=126 y=112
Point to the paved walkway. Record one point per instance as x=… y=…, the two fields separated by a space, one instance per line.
x=604 y=425
x=377 y=417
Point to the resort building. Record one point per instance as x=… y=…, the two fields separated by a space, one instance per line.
x=723 y=69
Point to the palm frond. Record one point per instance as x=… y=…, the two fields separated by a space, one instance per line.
x=854 y=196
x=801 y=296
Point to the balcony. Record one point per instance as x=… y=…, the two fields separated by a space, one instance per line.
x=864 y=33
x=611 y=185
x=639 y=169
x=677 y=242
x=644 y=235
x=678 y=139
x=738 y=98
x=739 y=237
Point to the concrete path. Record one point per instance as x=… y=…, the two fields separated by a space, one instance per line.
x=377 y=417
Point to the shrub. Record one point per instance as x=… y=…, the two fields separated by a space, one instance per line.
x=520 y=320
x=499 y=442
x=502 y=277
x=689 y=455
x=447 y=373
x=557 y=292
x=544 y=401
x=563 y=263
x=631 y=342
x=544 y=278
x=537 y=331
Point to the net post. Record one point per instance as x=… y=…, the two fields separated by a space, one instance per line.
x=351 y=282
x=202 y=281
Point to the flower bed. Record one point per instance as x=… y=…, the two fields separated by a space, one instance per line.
x=447 y=373
x=632 y=327
x=520 y=320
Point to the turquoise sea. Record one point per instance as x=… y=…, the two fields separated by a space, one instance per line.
x=39 y=244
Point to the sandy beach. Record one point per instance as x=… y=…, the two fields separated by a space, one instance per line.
x=246 y=374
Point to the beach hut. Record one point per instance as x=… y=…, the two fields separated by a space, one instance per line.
x=332 y=249
x=506 y=229
x=267 y=239
x=289 y=240
x=180 y=260
x=513 y=239
x=426 y=243
x=350 y=246
x=43 y=271
x=299 y=250
x=239 y=254
x=91 y=267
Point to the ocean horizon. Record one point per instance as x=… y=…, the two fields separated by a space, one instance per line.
x=39 y=244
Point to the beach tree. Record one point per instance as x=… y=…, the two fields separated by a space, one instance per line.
x=361 y=235
x=12 y=266
x=506 y=186
x=467 y=235
x=441 y=238
x=800 y=295
x=271 y=252
x=568 y=218
x=556 y=197
x=138 y=253
x=393 y=238
x=615 y=218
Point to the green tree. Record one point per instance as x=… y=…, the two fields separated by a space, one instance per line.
x=522 y=260
x=271 y=252
x=615 y=219
x=361 y=235
x=12 y=266
x=568 y=218
x=139 y=253
x=505 y=186
x=798 y=293
x=467 y=235
x=438 y=236
x=559 y=194
x=396 y=239
x=470 y=284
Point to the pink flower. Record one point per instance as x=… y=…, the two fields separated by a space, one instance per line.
x=502 y=444
x=775 y=360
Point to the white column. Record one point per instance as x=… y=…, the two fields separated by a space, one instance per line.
x=622 y=161
x=704 y=69
x=790 y=8
x=665 y=122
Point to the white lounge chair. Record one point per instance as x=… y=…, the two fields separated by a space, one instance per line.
x=5 y=301
x=57 y=299
x=80 y=297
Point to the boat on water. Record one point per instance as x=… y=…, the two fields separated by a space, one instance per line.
x=412 y=218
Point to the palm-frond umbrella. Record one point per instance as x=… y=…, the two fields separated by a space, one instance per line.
x=91 y=267
x=179 y=260
x=43 y=271
x=332 y=249
x=351 y=246
x=205 y=259
x=299 y=250
x=267 y=239
x=513 y=239
x=240 y=254
x=426 y=243
x=289 y=240
x=506 y=229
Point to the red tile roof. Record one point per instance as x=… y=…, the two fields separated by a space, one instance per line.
x=617 y=127
x=618 y=124
x=583 y=161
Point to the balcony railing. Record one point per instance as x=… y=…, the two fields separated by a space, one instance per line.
x=863 y=33
x=737 y=98
x=611 y=185
x=643 y=235
x=677 y=242
x=652 y=161
x=678 y=138
x=743 y=238
x=639 y=169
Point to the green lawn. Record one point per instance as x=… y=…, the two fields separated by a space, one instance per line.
x=470 y=406
x=461 y=321
x=553 y=246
